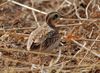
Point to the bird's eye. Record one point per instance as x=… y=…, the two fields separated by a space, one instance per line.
x=55 y=16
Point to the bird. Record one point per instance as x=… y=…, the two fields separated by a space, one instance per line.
x=52 y=38
x=52 y=18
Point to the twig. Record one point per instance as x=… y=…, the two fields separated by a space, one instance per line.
x=33 y=52
x=61 y=5
x=91 y=32
x=76 y=10
x=14 y=29
x=3 y=3
x=98 y=55
x=91 y=19
x=88 y=51
x=98 y=7
x=90 y=40
x=58 y=58
x=79 y=50
x=87 y=9
x=17 y=3
x=35 y=15
x=69 y=2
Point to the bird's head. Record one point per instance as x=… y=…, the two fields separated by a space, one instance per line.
x=52 y=19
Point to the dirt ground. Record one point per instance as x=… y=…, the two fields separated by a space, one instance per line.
x=21 y=21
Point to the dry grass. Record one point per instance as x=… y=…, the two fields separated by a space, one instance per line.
x=21 y=21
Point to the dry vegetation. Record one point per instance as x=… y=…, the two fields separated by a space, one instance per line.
x=20 y=20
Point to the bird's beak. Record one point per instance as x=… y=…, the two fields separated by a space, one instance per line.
x=61 y=19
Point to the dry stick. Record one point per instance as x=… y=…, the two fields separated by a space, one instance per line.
x=79 y=50
x=94 y=3
x=82 y=1
x=54 y=62
x=68 y=2
x=91 y=32
x=74 y=66
x=15 y=34
x=70 y=11
x=17 y=69
x=98 y=55
x=14 y=29
x=76 y=10
x=75 y=24
x=91 y=19
x=98 y=7
x=60 y=69
x=3 y=3
x=61 y=5
x=35 y=17
x=33 y=52
x=17 y=3
x=58 y=58
x=90 y=40
x=87 y=9
x=76 y=71
x=42 y=69
x=97 y=26
x=88 y=51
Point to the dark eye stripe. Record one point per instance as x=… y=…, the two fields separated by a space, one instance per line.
x=52 y=17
